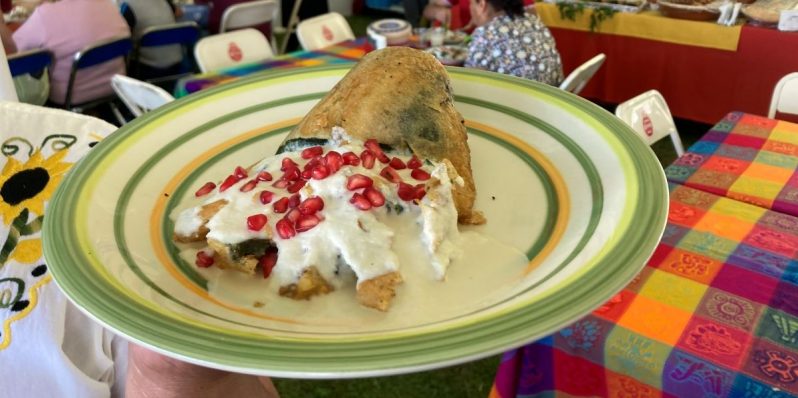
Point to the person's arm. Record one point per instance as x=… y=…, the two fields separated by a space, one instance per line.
x=5 y=38
x=150 y=374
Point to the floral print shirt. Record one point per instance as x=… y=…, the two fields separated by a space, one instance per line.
x=521 y=46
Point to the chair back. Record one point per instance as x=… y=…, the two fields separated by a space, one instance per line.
x=29 y=62
x=95 y=54
x=578 y=79
x=183 y=33
x=785 y=96
x=323 y=30
x=649 y=116
x=249 y=14
x=140 y=97
x=231 y=49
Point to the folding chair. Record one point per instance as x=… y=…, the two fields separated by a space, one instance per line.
x=250 y=15
x=649 y=116
x=139 y=96
x=184 y=34
x=785 y=96
x=323 y=30
x=32 y=62
x=232 y=48
x=95 y=54
x=578 y=79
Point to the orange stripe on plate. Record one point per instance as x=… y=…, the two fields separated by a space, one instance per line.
x=560 y=189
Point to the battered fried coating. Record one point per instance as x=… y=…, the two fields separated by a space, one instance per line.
x=378 y=292
x=402 y=97
x=311 y=283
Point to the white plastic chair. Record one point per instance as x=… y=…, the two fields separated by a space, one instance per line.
x=785 y=96
x=232 y=48
x=577 y=80
x=245 y=15
x=323 y=30
x=649 y=116
x=140 y=97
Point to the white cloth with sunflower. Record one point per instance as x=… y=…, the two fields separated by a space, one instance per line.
x=47 y=346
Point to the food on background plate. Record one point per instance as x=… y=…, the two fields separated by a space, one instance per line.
x=381 y=161
x=449 y=55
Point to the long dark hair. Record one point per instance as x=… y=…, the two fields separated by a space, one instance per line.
x=513 y=8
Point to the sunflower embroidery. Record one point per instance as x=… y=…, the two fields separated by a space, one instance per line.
x=30 y=185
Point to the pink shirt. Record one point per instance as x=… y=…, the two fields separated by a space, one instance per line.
x=66 y=27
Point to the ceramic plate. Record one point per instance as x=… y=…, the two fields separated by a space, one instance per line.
x=575 y=203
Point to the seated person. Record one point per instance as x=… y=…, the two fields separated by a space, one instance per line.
x=88 y=22
x=509 y=40
x=153 y=61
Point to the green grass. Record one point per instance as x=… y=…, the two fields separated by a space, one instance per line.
x=464 y=381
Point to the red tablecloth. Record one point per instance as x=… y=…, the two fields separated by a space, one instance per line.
x=700 y=84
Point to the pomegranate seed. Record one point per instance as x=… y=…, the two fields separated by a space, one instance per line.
x=287 y=163
x=311 y=205
x=281 y=205
x=256 y=222
x=204 y=260
x=357 y=181
x=350 y=159
x=250 y=185
x=420 y=174
x=264 y=176
x=205 y=189
x=293 y=215
x=285 y=229
x=406 y=191
x=390 y=174
x=320 y=172
x=334 y=161
x=268 y=261
x=266 y=197
x=295 y=187
x=292 y=174
x=368 y=158
x=228 y=182
x=419 y=191
x=281 y=183
x=293 y=201
x=240 y=173
x=397 y=164
x=360 y=201
x=372 y=145
x=310 y=153
x=313 y=163
x=307 y=174
x=307 y=222
x=374 y=196
x=413 y=163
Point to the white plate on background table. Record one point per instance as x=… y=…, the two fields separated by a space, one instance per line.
x=575 y=202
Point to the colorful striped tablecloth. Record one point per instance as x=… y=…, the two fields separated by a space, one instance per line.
x=346 y=52
x=713 y=314
x=745 y=157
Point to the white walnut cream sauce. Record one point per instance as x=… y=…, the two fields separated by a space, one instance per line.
x=344 y=208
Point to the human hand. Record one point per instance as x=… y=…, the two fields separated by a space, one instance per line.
x=151 y=374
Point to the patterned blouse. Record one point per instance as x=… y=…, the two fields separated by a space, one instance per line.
x=521 y=46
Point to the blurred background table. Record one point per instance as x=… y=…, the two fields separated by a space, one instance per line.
x=341 y=53
x=713 y=314
x=702 y=69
